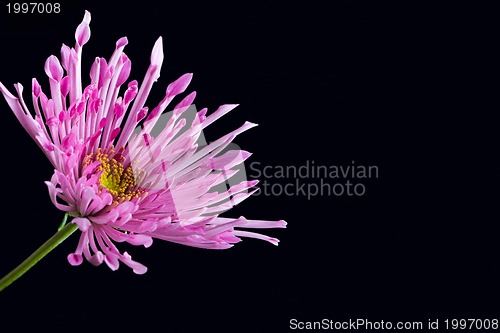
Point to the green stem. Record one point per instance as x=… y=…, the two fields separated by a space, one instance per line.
x=48 y=246
x=63 y=223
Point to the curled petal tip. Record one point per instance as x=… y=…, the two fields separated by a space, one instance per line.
x=97 y=258
x=65 y=54
x=272 y=240
x=125 y=72
x=36 y=88
x=82 y=34
x=140 y=270
x=136 y=267
x=65 y=85
x=252 y=183
x=249 y=123
x=75 y=259
x=53 y=68
x=157 y=53
x=179 y=86
x=245 y=154
x=83 y=223
x=121 y=42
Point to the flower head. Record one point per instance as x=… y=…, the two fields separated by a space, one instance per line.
x=120 y=181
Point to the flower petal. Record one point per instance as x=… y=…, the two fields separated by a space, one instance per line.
x=82 y=223
x=53 y=68
x=82 y=34
x=157 y=53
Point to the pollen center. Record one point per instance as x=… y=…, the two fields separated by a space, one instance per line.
x=117 y=179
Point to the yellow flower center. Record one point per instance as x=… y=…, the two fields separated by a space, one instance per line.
x=118 y=180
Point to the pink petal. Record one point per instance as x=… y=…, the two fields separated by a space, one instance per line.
x=131 y=92
x=137 y=268
x=111 y=259
x=65 y=54
x=36 y=89
x=83 y=223
x=97 y=259
x=229 y=159
x=179 y=86
x=103 y=68
x=65 y=84
x=95 y=70
x=125 y=72
x=75 y=259
x=221 y=111
x=53 y=68
x=121 y=42
x=271 y=240
x=157 y=53
x=118 y=110
x=114 y=133
x=82 y=34
x=184 y=104
x=142 y=113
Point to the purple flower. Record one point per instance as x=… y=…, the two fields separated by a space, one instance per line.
x=119 y=181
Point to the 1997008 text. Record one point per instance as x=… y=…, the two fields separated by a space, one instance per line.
x=33 y=8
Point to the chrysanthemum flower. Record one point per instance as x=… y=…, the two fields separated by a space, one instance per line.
x=121 y=184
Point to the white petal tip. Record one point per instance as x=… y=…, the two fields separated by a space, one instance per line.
x=274 y=241
x=157 y=53
x=87 y=17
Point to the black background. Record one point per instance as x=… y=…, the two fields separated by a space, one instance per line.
x=406 y=86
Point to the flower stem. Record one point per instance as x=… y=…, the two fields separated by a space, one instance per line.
x=48 y=246
x=63 y=223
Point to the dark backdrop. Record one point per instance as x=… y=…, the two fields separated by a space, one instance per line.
x=405 y=87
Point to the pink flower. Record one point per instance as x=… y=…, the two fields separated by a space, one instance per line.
x=124 y=185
